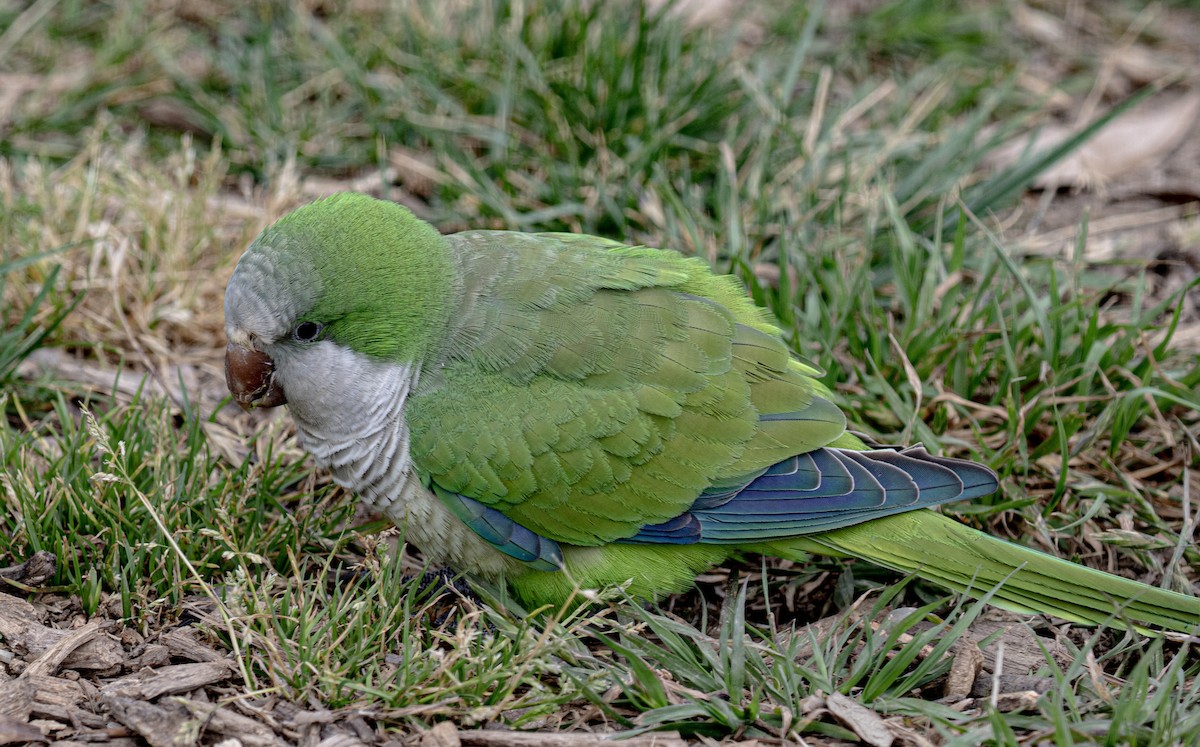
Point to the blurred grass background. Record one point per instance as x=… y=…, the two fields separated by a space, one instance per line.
x=840 y=159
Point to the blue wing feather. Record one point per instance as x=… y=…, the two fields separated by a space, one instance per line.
x=504 y=534
x=822 y=490
x=813 y=492
x=682 y=530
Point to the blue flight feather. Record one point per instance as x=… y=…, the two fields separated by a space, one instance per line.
x=504 y=534
x=822 y=490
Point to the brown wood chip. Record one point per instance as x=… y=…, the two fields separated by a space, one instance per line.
x=16 y=699
x=968 y=662
x=492 y=738
x=17 y=731
x=1024 y=650
x=182 y=643
x=84 y=648
x=55 y=697
x=16 y=616
x=166 y=725
x=221 y=720
x=149 y=684
x=33 y=572
x=68 y=643
x=154 y=655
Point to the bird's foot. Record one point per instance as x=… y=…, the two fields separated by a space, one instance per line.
x=444 y=593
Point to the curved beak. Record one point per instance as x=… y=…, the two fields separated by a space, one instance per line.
x=250 y=375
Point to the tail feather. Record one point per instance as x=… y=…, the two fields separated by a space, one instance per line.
x=941 y=550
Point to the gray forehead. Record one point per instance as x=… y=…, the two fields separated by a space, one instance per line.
x=270 y=288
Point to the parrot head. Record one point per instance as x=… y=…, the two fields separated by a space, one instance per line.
x=330 y=297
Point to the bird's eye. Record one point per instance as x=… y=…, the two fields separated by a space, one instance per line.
x=306 y=331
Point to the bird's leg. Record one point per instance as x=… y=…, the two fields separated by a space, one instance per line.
x=440 y=592
x=446 y=591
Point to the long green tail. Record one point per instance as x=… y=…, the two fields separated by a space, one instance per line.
x=941 y=550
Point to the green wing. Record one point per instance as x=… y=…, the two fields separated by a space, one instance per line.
x=589 y=389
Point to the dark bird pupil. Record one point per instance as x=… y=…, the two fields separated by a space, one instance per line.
x=307 y=331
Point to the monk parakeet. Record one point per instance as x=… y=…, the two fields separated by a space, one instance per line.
x=562 y=412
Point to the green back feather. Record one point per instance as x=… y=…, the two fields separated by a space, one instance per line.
x=588 y=389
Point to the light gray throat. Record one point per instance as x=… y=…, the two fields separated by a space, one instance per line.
x=364 y=440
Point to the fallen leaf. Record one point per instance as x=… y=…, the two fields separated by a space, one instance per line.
x=442 y=735
x=1137 y=139
x=863 y=721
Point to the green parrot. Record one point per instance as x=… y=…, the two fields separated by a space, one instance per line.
x=561 y=412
